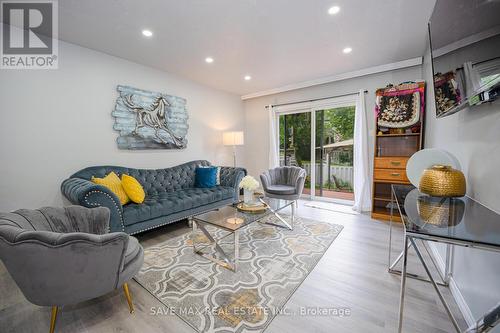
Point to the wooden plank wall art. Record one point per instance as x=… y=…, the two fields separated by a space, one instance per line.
x=150 y=120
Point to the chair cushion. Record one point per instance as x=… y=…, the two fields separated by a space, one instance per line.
x=132 y=249
x=281 y=189
x=166 y=203
x=132 y=263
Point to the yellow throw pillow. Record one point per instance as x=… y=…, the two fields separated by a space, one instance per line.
x=114 y=184
x=133 y=189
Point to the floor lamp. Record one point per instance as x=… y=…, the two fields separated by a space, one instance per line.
x=233 y=139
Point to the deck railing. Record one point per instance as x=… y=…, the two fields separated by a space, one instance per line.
x=343 y=173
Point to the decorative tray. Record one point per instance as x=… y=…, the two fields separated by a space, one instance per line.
x=255 y=208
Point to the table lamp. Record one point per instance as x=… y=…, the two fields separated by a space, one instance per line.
x=233 y=139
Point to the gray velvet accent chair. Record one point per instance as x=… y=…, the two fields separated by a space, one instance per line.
x=62 y=256
x=286 y=182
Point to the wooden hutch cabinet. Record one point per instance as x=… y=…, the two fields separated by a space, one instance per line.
x=393 y=148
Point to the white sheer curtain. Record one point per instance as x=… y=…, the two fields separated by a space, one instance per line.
x=273 y=139
x=472 y=79
x=362 y=183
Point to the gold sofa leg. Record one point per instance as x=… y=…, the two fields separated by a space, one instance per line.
x=53 y=319
x=129 y=299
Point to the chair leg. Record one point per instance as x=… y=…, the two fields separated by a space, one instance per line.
x=53 y=319
x=129 y=299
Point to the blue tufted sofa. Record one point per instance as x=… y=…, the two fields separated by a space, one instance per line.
x=170 y=194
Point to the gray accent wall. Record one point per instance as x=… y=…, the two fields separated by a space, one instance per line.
x=473 y=135
x=56 y=122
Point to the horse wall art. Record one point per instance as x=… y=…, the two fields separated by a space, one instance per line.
x=150 y=120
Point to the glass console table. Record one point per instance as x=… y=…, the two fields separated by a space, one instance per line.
x=451 y=221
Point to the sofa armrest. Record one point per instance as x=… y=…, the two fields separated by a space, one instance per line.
x=89 y=220
x=71 y=267
x=299 y=182
x=232 y=177
x=299 y=185
x=85 y=193
x=265 y=179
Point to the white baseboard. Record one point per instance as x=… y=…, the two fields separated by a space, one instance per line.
x=455 y=291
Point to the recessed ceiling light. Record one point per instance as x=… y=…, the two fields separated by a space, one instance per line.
x=147 y=33
x=334 y=10
x=209 y=60
x=247 y=77
x=347 y=50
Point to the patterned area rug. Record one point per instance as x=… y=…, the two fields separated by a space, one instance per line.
x=273 y=263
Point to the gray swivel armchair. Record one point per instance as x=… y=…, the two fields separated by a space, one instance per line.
x=285 y=183
x=60 y=256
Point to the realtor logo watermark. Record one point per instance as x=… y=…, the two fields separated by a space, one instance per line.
x=29 y=34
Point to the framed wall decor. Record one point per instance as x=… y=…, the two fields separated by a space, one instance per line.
x=150 y=120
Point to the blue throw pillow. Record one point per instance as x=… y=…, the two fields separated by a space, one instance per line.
x=206 y=177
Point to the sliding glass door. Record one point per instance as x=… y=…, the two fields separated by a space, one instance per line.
x=320 y=140
x=295 y=142
x=334 y=153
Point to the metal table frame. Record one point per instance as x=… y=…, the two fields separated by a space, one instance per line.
x=410 y=240
x=226 y=262
x=444 y=278
x=287 y=225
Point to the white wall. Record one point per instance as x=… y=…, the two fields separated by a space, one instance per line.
x=473 y=135
x=256 y=120
x=55 y=122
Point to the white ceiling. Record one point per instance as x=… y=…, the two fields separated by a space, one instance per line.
x=277 y=42
x=448 y=26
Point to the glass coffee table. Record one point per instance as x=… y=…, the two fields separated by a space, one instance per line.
x=231 y=220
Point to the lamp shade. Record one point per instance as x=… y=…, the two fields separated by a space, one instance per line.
x=233 y=138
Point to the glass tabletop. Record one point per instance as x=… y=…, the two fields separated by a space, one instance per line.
x=230 y=218
x=276 y=204
x=462 y=219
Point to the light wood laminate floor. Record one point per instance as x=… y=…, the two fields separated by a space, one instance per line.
x=352 y=274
